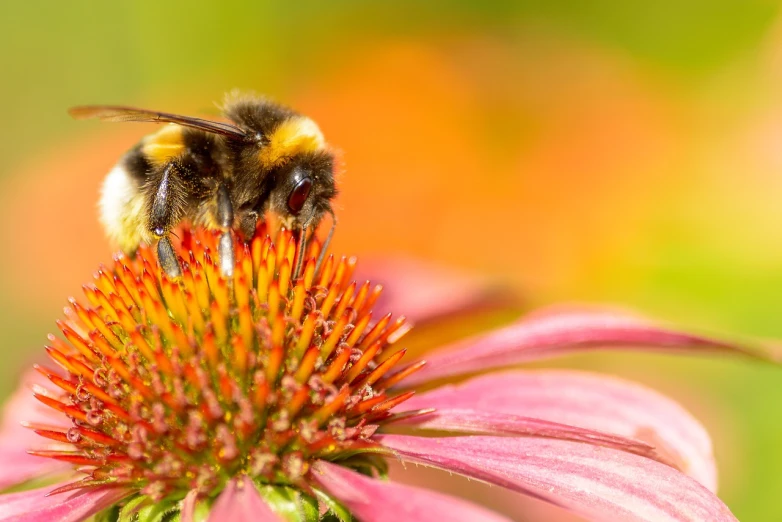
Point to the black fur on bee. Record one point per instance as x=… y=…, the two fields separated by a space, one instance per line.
x=224 y=176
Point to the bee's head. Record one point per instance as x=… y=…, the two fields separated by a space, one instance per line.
x=304 y=188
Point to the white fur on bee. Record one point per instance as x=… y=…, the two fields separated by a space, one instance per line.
x=122 y=208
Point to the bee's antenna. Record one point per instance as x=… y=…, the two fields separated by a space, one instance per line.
x=325 y=246
x=302 y=247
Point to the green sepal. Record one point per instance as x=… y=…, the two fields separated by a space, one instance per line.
x=143 y=509
x=130 y=509
x=174 y=515
x=157 y=512
x=337 y=511
x=308 y=506
x=107 y=515
x=202 y=509
x=290 y=503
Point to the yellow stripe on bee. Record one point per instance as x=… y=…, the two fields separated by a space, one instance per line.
x=165 y=145
x=291 y=137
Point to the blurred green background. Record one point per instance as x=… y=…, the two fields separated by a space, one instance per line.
x=627 y=152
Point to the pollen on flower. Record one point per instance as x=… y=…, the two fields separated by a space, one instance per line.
x=175 y=385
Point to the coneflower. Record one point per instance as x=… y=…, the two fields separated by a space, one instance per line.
x=262 y=397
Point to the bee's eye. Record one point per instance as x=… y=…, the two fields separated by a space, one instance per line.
x=299 y=195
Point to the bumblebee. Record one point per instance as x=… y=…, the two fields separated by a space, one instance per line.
x=225 y=176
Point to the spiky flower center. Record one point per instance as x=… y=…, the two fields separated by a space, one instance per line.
x=180 y=385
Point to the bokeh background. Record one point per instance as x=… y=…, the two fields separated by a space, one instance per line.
x=603 y=151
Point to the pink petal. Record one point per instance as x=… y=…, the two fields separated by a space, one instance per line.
x=35 y=506
x=552 y=334
x=592 y=481
x=462 y=420
x=419 y=291
x=241 y=502
x=19 y=467
x=187 y=513
x=591 y=401
x=15 y=439
x=373 y=500
x=23 y=407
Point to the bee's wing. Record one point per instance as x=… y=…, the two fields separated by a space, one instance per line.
x=119 y=113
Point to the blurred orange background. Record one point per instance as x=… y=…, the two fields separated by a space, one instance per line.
x=609 y=152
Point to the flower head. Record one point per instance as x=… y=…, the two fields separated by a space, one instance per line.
x=261 y=397
x=175 y=386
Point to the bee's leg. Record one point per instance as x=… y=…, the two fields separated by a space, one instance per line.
x=302 y=251
x=225 y=219
x=326 y=243
x=162 y=216
x=248 y=224
x=168 y=258
x=162 y=213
